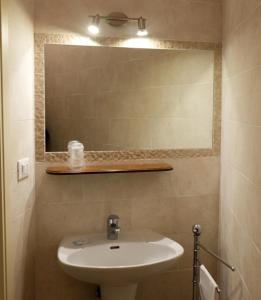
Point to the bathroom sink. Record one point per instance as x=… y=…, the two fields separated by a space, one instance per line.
x=126 y=261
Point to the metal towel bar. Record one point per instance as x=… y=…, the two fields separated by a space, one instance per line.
x=196 y=261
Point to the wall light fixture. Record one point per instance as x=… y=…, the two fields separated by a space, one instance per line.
x=116 y=19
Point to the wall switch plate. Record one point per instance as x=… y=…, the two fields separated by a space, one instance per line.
x=23 y=168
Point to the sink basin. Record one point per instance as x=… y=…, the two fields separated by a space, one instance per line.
x=117 y=265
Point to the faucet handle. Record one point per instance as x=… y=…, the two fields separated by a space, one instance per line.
x=113 y=227
x=113 y=219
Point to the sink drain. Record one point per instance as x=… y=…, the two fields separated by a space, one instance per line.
x=114 y=247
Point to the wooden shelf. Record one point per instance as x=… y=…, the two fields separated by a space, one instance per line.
x=112 y=167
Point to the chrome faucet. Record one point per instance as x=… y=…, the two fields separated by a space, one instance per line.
x=113 y=227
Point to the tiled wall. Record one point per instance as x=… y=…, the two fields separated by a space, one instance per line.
x=182 y=20
x=122 y=98
x=166 y=202
x=19 y=143
x=169 y=203
x=240 y=208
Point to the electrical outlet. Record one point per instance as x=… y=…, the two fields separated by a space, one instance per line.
x=23 y=168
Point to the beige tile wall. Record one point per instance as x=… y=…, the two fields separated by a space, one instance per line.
x=240 y=235
x=183 y=20
x=169 y=203
x=19 y=143
x=81 y=203
x=121 y=98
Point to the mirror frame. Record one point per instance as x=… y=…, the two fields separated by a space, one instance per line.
x=41 y=39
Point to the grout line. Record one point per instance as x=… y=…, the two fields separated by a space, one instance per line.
x=243 y=176
x=256 y=247
x=244 y=283
x=237 y=74
x=245 y=19
x=241 y=122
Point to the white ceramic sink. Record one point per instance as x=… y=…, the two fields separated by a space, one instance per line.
x=121 y=263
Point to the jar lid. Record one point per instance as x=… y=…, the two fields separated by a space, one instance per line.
x=77 y=146
x=72 y=143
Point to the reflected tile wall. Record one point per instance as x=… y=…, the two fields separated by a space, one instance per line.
x=121 y=98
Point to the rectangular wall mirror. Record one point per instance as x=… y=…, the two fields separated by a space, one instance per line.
x=129 y=99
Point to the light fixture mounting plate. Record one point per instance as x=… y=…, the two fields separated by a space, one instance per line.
x=117 y=19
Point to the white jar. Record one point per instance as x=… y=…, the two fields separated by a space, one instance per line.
x=76 y=154
x=70 y=144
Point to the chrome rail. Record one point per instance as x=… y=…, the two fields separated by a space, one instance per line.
x=196 y=261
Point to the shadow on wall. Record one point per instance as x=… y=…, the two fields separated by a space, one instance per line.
x=24 y=262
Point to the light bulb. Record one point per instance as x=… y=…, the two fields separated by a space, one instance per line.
x=93 y=29
x=142 y=32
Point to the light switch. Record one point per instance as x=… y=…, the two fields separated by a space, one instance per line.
x=23 y=168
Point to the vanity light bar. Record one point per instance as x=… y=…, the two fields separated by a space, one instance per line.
x=116 y=19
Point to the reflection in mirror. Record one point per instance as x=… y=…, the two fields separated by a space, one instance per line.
x=113 y=98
